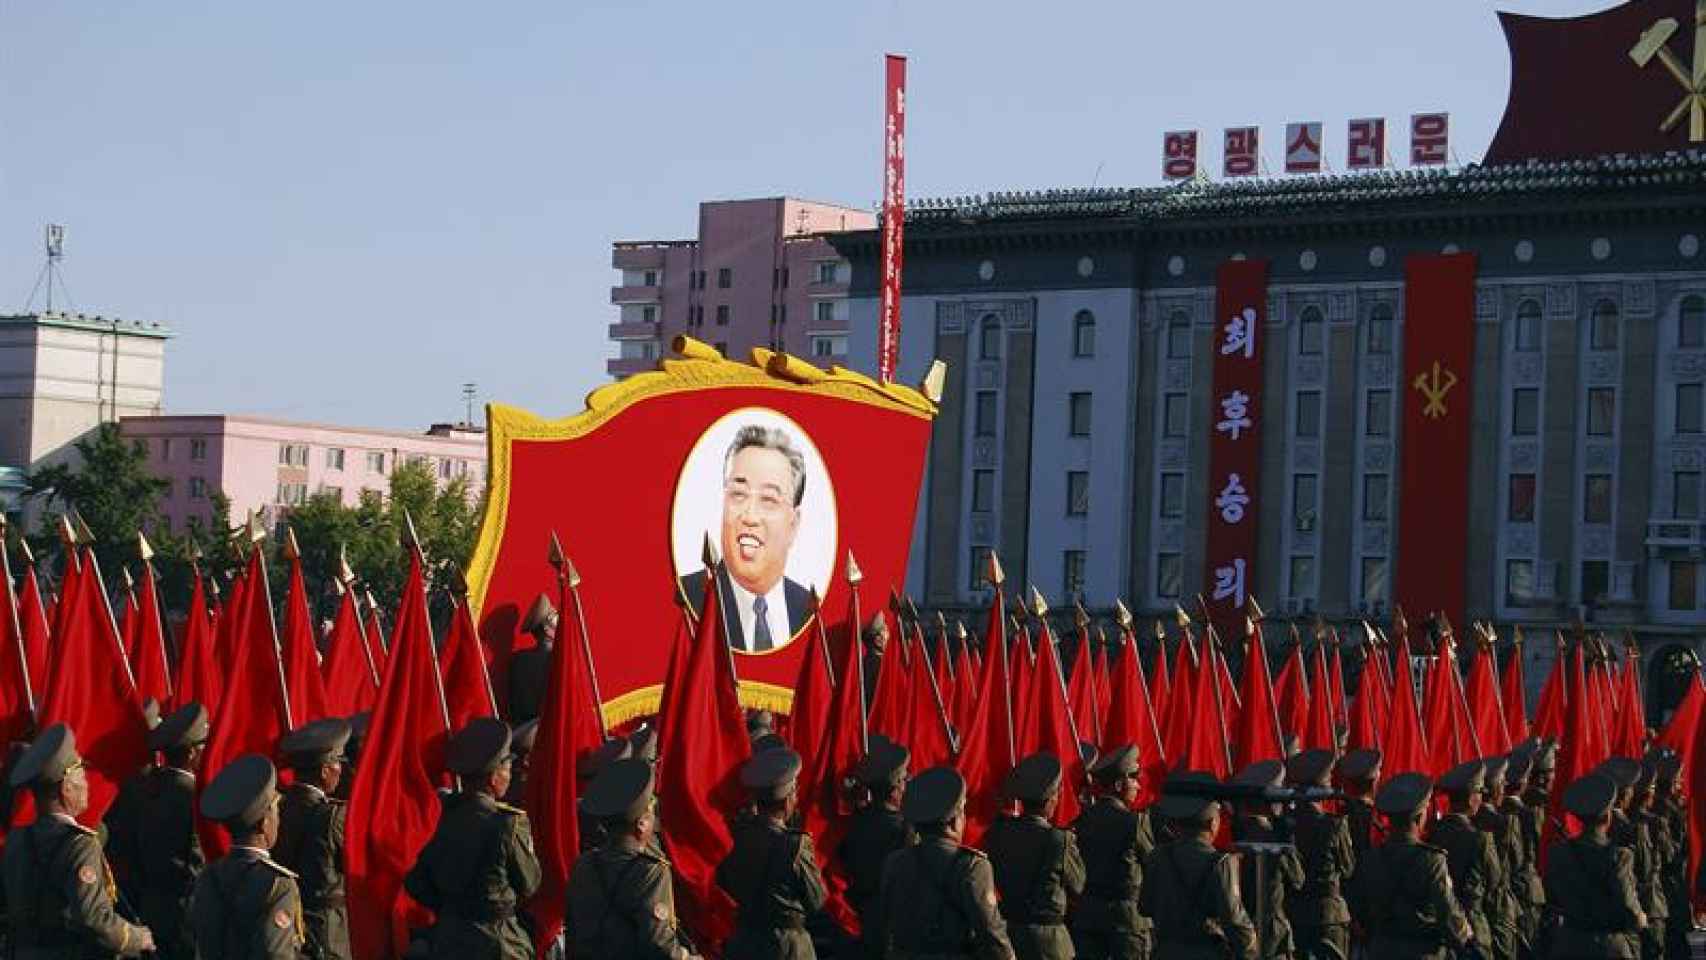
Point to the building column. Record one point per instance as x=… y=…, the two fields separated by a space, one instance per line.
x=1559 y=511
x=1481 y=565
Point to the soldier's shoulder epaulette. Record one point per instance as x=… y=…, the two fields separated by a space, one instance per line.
x=335 y=802
x=974 y=852
x=651 y=856
x=79 y=829
x=276 y=867
x=509 y=809
x=1432 y=848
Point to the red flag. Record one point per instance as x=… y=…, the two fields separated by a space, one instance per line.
x=1023 y=662
x=199 y=679
x=892 y=699
x=1692 y=774
x=227 y=627
x=301 y=662
x=394 y=804
x=1579 y=750
x=1053 y=726
x=90 y=690
x=127 y=624
x=841 y=746
x=1446 y=746
x=34 y=619
x=1290 y=696
x=1630 y=736
x=1132 y=717
x=1549 y=710
x=1230 y=704
x=1161 y=685
x=814 y=697
x=1406 y=748
x=988 y=750
x=1679 y=733
x=1600 y=700
x=704 y=744
x=376 y=634
x=944 y=660
x=351 y=670
x=1104 y=680
x=1514 y=695
x=1257 y=735
x=965 y=688
x=1205 y=747
x=1341 y=716
x=1177 y=731
x=927 y=734
x=148 y=661
x=1082 y=693
x=1318 y=732
x=17 y=691
x=1485 y=710
x=1364 y=723
x=462 y=665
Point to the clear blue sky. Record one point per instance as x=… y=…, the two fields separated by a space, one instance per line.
x=346 y=210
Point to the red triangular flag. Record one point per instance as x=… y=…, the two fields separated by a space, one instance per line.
x=1104 y=681
x=1549 y=709
x=1132 y=717
x=1318 y=732
x=1205 y=747
x=199 y=679
x=148 y=662
x=376 y=635
x=1362 y=732
x=33 y=616
x=1336 y=676
x=966 y=675
x=1290 y=697
x=1177 y=731
x=814 y=696
x=1021 y=660
x=351 y=670
x=462 y=667
x=1513 y=696
x=1160 y=685
x=841 y=746
x=1405 y=746
x=892 y=700
x=1485 y=710
x=1679 y=733
x=17 y=691
x=228 y=625
x=301 y=662
x=1230 y=702
x=1257 y=735
x=927 y=735
x=1053 y=724
x=988 y=750
x=1629 y=739
x=1081 y=691
x=127 y=624
x=1579 y=749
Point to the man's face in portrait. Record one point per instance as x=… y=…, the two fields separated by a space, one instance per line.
x=759 y=518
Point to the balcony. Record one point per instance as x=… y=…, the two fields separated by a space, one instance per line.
x=620 y=367
x=635 y=294
x=636 y=330
x=1676 y=538
x=644 y=254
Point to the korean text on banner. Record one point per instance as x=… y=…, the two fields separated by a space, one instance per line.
x=1235 y=438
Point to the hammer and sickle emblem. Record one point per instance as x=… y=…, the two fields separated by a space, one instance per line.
x=1654 y=44
x=1433 y=385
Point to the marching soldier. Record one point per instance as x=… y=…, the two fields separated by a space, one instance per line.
x=60 y=894
x=1470 y=856
x=123 y=820
x=1504 y=912
x=1281 y=874
x=1671 y=810
x=1401 y=892
x=877 y=829
x=587 y=769
x=1359 y=771
x=311 y=834
x=1590 y=881
x=1037 y=866
x=168 y=852
x=1663 y=850
x=772 y=872
x=621 y=903
x=938 y=897
x=247 y=906
x=1114 y=840
x=1628 y=832
x=530 y=669
x=521 y=741
x=1190 y=889
x=1523 y=869
x=479 y=866
x=1320 y=918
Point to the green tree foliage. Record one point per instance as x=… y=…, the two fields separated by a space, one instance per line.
x=109 y=486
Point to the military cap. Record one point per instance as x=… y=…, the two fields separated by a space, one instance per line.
x=644 y=742
x=759 y=723
x=1311 y=768
x=539 y=615
x=1669 y=767
x=48 y=759
x=186 y=727
x=1520 y=762
x=240 y=794
x=1116 y=764
x=1087 y=753
x=1179 y=798
x=521 y=739
x=1403 y=795
x=358 y=724
x=1360 y=764
x=478 y=748
x=883 y=766
x=151 y=712
x=622 y=789
x=1262 y=773
x=1546 y=756
x=1590 y=797
x=769 y=741
x=1621 y=771
x=601 y=756
x=322 y=741
x=1493 y=772
x=771 y=772
x=933 y=796
x=1036 y=778
x=1463 y=779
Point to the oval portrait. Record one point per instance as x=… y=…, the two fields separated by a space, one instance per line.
x=756 y=484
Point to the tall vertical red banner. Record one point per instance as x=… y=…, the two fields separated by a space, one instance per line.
x=1433 y=504
x=894 y=215
x=1235 y=440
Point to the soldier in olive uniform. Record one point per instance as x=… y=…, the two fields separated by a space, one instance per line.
x=1114 y=840
x=621 y=902
x=1592 y=906
x=772 y=872
x=1258 y=821
x=124 y=818
x=530 y=669
x=1400 y=895
x=938 y=899
x=311 y=834
x=1359 y=772
x=521 y=742
x=1037 y=866
x=587 y=769
x=1504 y=912
x=60 y=894
x=877 y=829
x=1190 y=889
x=1470 y=856
x=247 y=906
x=1320 y=918
x=1664 y=849
x=1523 y=869
x=1631 y=834
x=479 y=867
x=168 y=852
x=1538 y=797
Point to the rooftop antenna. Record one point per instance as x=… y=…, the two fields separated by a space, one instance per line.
x=53 y=237
x=469 y=391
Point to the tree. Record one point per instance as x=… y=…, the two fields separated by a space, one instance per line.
x=109 y=486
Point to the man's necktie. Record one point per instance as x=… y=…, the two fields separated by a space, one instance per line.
x=760 y=625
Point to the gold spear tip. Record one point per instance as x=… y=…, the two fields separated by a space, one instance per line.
x=1254 y=609
x=708 y=554
x=554 y=553
x=934 y=382
x=1160 y=631
x=1122 y=616
x=1181 y=616
x=1039 y=607
x=253 y=530
x=67 y=534
x=24 y=548
x=3 y=522
x=996 y=576
x=213 y=588
x=572 y=573
x=292 y=549
x=458 y=581
x=346 y=576
x=960 y=630
x=1249 y=626
x=125 y=578
x=1080 y=618
x=143 y=549
x=1516 y=636
x=410 y=536
x=855 y=576
x=942 y=622
x=195 y=553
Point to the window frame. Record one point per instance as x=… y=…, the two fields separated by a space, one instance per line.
x=1083 y=334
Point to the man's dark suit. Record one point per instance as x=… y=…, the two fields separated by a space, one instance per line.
x=798 y=597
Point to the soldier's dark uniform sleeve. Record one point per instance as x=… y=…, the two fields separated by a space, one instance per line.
x=1626 y=906
x=1227 y=909
x=418 y=881
x=810 y=878
x=524 y=870
x=1073 y=874
x=1443 y=899
x=89 y=897
x=654 y=916
x=207 y=914
x=281 y=933
x=978 y=905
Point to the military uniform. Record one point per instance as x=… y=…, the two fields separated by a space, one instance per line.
x=1320 y=918
x=586 y=769
x=1591 y=898
x=1504 y=912
x=247 y=906
x=938 y=898
x=168 y=851
x=1362 y=767
x=311 y=840
x=1662 y=849
x=1037 y=867
x=1114 y=840
x=1401 y=893
x=479 y=867
x=621 y=902
x=876 y=830
x=1631 y=833
x=1190 y=889
x=772 y=871
x=1522 y=866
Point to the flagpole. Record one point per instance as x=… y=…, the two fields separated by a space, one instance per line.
x=1209 y=640
x=996 y=579
x=822 y=636
x=17 y=622
x=345 y=581
x=112 y=621
x=412 y=541
x=712 y=564
x=854 y=578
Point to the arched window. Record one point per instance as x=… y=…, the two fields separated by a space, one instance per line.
x=1309 y=331
x=989 y=338
x=1527 y=332
x=1380 y=328
x=1691 y=323
x=1084 y=334
x=1602 y=326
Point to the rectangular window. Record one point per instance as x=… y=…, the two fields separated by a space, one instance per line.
x=985 y=414
x=725 y=278
x=1602 y=327
x=722 y=314
x=1521 y=505
x=824 y=311
x=1078 y=414
x=1084 y=334
x=1684 y=575
x=1376 y=497
x=140 y=446
x=651 y=278
x=1309 y=332
x=1527 y=334
x=165 y=450
x=1380 y=331
x=1073 y=576
x=826 y=271
x=444 y=468
x=293 y=454
x=1596 y=498
x=1691 y=324
x=1169 y=575
x=1688 y=407
x=648 y=314
x=1374 y=580
x=1377 y=421
x=982 y=491
x=1178 y=339
x=375 y=462
x=1519 y=583
x=1602 y=411
x=979 y=568
x=1525 y=412
x=1077 y=493
x=1176 y=414
x=1685 y=495
x=334 y=458
x=1302 y=576
x=1596 y=580
x=198 y=450
x=1309 y=413
x=829 y=346
x=1303 y=502
x=1172 y=495
x=701 y=279
x=336 y=493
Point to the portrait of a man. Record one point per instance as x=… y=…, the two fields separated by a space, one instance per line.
x=763 y=487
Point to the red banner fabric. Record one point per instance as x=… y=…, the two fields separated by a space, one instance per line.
x=1235 y=440
x=1433 y=506
x=894 y=215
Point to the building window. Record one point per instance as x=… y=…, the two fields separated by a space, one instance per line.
x=1078 y=414
x=1172 y=496
x=725 y=278
x=1602 y=326
x=1380 y=329
x=1169 y=575
x=1302 y=576
x=1602 y=411
x=829 y=346
x=1077 y=493
x=648 y=314
x=444 y=469
x=1519 y=583
x=1377 y=418
x=1688 y=407
x=1520 y=508
x=1309 y=331
x=166 y=491
x=989 y=338
x=1373 y=580
x=166 y=450
x=1691 y=323
x=198 y=450
x=1685 y=495
x=1303 y=502
x=722 y=314
x=1525 y=412
x=651 y=278
x=1527 y=333
x=334 y=458
x=1684 y=575
x=1178 y=336
x=826 y=271
x=1596 y=498
x=824 y=311
x=292 y=494
x=982 y=491
x=1376 y=497
x=1072 y=579
x=375 y=462
x=336 y=493
x=701 y=279
x=1175 y=414
x=979 y=568
x=1596 y=580
x=293 y=454
x=1084 y=334
x=985 y=415
x=1309 y=413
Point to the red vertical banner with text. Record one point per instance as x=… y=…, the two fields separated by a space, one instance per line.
x=1433 y=495
x=894 y=215
x=1235 y=438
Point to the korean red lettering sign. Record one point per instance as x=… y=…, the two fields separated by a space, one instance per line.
x=1235 y=439
x=1430 y=139
x=1303 y=147
x=1179 y=155
x=1242 y=156
x=1365 y=144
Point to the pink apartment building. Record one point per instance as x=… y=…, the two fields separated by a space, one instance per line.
x=271 y=465
x=759 y=274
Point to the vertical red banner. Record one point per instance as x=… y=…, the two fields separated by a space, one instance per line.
x=1235 y=438
x=894 y=215
x=1433 y=504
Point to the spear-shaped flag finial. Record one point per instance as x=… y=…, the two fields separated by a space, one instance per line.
x=144 y=550
x=554 y=554
x=346 y=576
x=934 y=382
x=84 y=534
x=996 y=576
x=1254 y=609
x=960 y=631
x=292 y=549
x=1181 y=616
x=855 y=576
x=24 y=548
x=709 y=553
x=1080 y=617
x=67 y=533
x=1039 y=607
x=411 y=536
x=1122 y=615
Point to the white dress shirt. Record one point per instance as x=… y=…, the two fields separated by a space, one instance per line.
x=775 y=614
